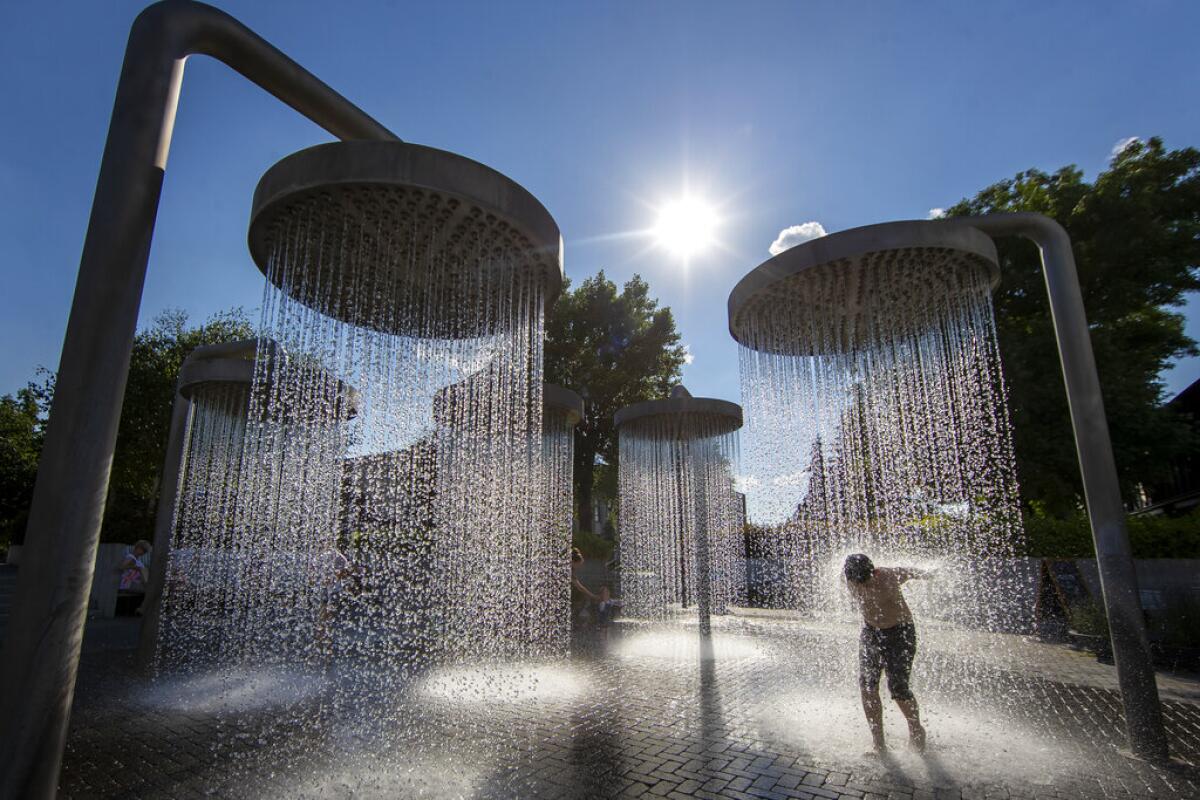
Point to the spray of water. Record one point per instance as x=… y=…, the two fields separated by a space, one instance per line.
x=201 y=589
x=386 y=515
x=552 y=606
x=681 y=521
x=877 y=422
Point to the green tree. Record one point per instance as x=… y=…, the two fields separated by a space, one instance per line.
x=1136 y=235
x=158 y=353
x=21 y=434
x=613 y=349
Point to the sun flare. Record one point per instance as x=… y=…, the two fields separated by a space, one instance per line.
x=686 y=226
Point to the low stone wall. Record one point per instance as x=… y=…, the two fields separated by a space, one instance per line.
x=106 y=576
x=997 y=595
x=1157 y=578
x=1007 y=594
x=1005 y=590
x=106 y=579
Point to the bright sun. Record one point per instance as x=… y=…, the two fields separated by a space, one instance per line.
x=686 y=226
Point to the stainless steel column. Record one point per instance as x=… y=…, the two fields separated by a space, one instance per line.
x=1118 y=580
x=41 y=650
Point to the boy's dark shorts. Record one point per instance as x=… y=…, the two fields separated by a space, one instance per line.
x=891 y=649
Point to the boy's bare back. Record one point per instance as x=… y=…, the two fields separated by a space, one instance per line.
x=880 y=599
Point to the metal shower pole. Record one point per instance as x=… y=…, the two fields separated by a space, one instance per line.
x=680 y=498
x=703 y=552
x=45 y=631
x=1118 y=580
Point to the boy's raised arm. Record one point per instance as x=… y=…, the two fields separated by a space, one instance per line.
x=912 y=573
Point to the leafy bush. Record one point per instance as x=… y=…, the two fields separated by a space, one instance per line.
x=1088 y=618
x=1165 y=537
x=592 y=545
x=1179 y=622
x=1150 y=537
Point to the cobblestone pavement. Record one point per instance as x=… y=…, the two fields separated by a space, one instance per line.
x=770 y=710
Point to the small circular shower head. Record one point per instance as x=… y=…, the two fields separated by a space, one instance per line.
x=233 y=364
x=825 y=295
x=226 y=363
x=455 y=403
x=557 y=400
x=686 y=415
x=401 y=238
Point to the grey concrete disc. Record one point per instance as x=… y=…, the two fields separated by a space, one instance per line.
x=384 y=217
x=556 y=398
x=725 y=417
x=780 y=295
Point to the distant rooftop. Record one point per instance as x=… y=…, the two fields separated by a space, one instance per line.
x=1187 y=401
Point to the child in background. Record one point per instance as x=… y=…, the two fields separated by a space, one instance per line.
x=606 y=609
x=135 y=576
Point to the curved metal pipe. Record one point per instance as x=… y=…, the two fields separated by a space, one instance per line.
x=1102 y=491
x=166 y=33
x=45 y=631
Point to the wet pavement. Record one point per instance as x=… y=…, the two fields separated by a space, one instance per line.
x=768 y=710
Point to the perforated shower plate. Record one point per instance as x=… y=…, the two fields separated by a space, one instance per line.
x=827 y=294
x=562 y=401
x=401 y=237
x=687 y=415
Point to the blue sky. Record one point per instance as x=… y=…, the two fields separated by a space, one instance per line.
x=779 y=113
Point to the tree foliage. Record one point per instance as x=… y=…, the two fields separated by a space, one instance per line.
x=21 y=435
x=1149 y=536
x=613 y=349
x=158 y=353
x=1136 y=236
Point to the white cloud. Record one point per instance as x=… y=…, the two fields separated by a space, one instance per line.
x=936 y=213
x=687 y=355
x=1122 y=144
x=796 y=234
x=798 y=479
x=746 y=483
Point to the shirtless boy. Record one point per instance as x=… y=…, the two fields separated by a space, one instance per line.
x=888 y=642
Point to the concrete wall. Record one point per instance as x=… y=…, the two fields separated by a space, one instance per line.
x=1161 y=581
x=1007 y=594
x=992 y=594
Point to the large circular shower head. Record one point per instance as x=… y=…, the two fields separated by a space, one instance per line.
x=683 y=413
x=827 y=294
x=402 y=238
